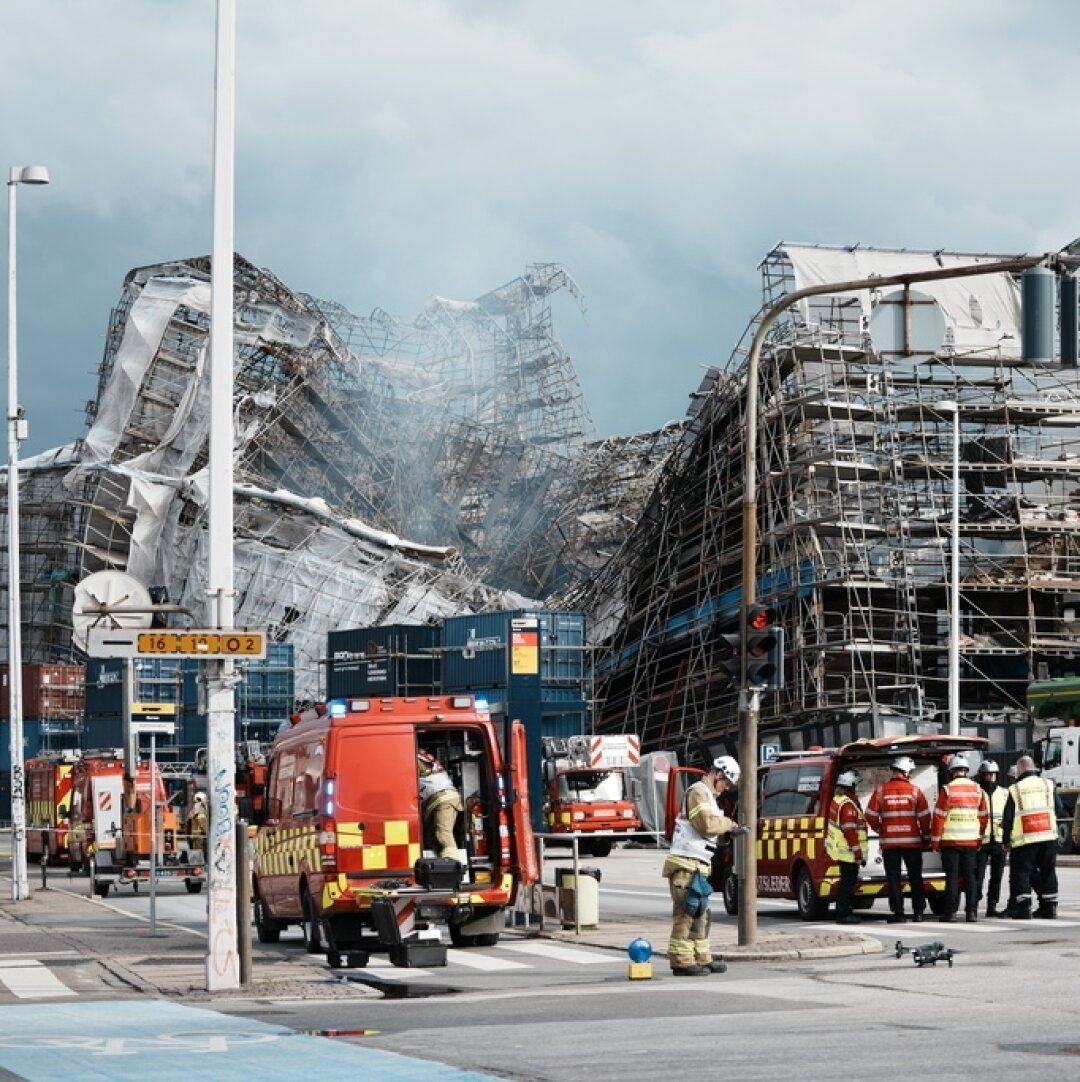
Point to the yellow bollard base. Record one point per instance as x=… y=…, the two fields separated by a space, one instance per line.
x=640 y=971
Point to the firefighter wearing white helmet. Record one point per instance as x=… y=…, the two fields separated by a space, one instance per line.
x=960 y=820
x=846 y=842
x=900 y=815
x=699 y=825
x=992 y=850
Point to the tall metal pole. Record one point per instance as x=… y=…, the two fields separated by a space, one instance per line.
x=223 y=961
x=954 y=578
x=750 y=698
x=20 y=882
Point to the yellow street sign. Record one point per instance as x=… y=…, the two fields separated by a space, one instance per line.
x=207 y=643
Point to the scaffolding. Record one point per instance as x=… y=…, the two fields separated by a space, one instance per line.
x=855 y=505
x=387 y=471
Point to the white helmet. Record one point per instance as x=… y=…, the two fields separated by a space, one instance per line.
x=958 y=762
x=848 y=779
x=904 y=763
x=988 y=766
x=729 y=767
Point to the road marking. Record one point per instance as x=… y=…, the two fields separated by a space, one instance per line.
x=565 y=954
x=31 y=980
x=473 y=960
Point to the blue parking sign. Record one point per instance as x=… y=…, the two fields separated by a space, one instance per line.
x=769 y=753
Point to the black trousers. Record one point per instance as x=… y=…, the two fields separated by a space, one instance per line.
x=959 y=861
x=991 y=855
x=1034 y=866
x=895 y=860
x=849 y=878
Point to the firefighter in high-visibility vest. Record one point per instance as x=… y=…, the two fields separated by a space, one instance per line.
x=960 y=820
x=440 y=805
x=846 y=843
x=1029 y=827
x=699 y=825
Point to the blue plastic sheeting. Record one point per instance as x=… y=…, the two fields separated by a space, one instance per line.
x=137 y=1039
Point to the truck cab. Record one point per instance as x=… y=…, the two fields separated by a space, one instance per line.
x=585 y=789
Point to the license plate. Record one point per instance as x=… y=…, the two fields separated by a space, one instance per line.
x=165 y=873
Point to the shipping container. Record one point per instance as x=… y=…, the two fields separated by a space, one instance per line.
x=32 y=738
x=49 y=691
x=517 y=649
x=155 y=680
x=392 y=660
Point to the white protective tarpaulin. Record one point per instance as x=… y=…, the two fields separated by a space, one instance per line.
x=983 y=313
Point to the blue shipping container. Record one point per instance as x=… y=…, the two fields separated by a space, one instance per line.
x=521 y=649
x=392 y=659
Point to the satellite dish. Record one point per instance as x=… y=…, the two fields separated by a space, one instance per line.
x=108 y=589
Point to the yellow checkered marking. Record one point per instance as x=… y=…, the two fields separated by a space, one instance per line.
x=782 y=839
x=273 y=850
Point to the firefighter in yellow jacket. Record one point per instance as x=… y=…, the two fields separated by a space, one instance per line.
x=699 y=824
x=440 y=805
x=846 y=843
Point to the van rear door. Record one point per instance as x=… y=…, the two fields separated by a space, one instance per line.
x=526 y=867
x=375 y=799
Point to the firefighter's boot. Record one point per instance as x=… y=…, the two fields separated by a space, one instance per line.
x=717 y=965
x=1047 y=911
x=1021 y=910
x=690 y=971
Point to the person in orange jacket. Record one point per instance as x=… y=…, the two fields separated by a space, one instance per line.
x=960 y=820
x=899 y=814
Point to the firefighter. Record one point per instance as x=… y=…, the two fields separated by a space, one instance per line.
x=846 y=843
x=699 y=824
x=198 y=821
x=960 y=821
x=440 y=806
x=992 y=851
x=1029 y=827
x=900 y=815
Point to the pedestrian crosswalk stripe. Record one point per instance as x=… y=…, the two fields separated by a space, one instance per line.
x=564 y=954
x=475 y=960
x=28 y=979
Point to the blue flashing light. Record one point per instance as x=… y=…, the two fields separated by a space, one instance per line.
x=337 y=708
x=640 y=950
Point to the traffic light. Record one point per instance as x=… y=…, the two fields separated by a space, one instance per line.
x=764 y=649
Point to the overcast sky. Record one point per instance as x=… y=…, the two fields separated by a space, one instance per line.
x=388 y=150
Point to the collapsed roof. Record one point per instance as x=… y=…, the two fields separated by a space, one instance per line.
x=386 y=471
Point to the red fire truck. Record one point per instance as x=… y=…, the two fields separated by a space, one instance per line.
x=340 y=851
x=48 y=802
x=115 y=821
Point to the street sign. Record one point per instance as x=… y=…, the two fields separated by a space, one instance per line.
x=150 y=710
x=158 y=728
x=213 y=644
x=769 y=753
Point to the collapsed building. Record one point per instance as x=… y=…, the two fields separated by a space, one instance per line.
x=882 y=416
x=387 y=471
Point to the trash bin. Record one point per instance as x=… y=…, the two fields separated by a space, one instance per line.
x=579 y=897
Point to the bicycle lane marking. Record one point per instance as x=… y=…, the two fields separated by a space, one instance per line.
x=111 y=1040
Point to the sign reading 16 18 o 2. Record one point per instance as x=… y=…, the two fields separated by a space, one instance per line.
x=201 y=643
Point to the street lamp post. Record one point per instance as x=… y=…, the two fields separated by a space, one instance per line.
x=20 y=882
x=750 y=697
